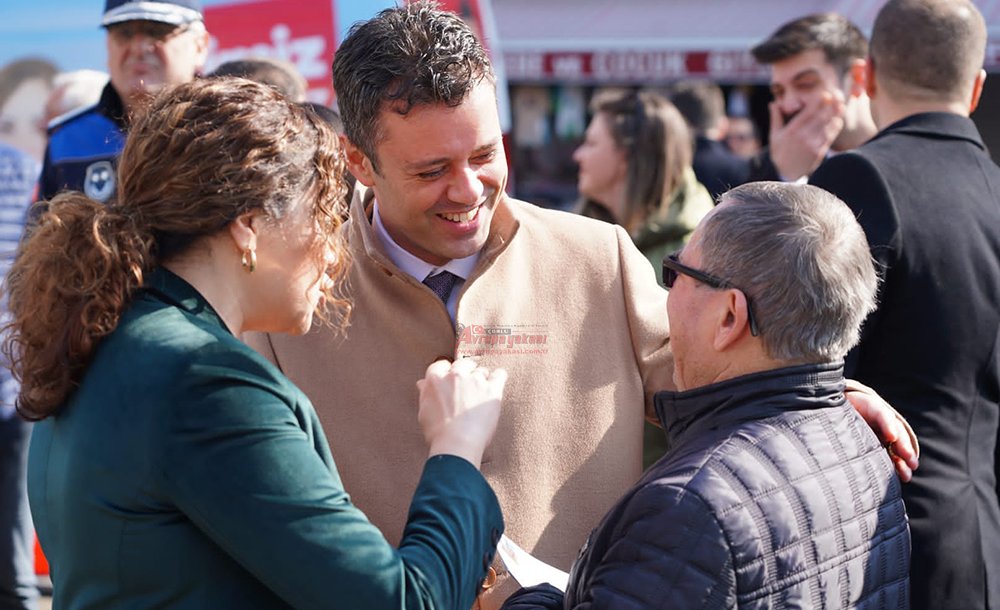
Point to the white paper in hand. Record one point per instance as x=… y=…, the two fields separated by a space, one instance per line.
x=526 y=569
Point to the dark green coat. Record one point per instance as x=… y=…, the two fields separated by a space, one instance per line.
x=188 y=472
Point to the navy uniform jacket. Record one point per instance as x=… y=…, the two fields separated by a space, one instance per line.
x=187 y=472
x=83 y=150
x=928 y=196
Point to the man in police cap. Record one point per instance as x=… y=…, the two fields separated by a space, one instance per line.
x=152 y=44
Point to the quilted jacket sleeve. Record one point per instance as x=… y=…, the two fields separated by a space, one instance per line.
x=539 y=597
x=665 y=551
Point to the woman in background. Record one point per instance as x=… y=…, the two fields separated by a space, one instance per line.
x=25 y=85
x=174 y=467
x=635 y=171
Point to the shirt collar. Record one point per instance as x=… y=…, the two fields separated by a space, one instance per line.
x=413 y=266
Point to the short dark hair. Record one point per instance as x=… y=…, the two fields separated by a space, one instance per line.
x=840 y=40
x=281 y=75
x=701 y=103
x=930 y=49
x=404 y=57
x=327 y=114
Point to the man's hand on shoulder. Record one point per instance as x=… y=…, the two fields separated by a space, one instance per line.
x=889 y=426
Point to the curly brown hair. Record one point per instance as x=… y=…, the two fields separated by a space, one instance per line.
x=204 y=153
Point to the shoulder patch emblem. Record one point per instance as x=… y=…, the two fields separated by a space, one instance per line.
x=99 y=183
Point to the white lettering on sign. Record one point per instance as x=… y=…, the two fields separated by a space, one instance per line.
x=307 y=54
x=631 y=66
x=524 y=66
x=638 y=64
x=732 y=63
x=567 y=66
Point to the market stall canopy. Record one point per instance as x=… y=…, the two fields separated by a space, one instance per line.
x=644 y=41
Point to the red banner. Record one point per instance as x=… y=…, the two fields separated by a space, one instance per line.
x=304 y=36
x=627 y=66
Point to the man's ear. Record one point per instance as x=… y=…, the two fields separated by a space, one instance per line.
x=201 y=49
x=870 y=87
x=722 y=127
x=977 y=90
x=733 y=323
x=858 y=73
x=358 y=162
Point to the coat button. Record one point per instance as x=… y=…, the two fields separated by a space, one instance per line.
x=491 y=578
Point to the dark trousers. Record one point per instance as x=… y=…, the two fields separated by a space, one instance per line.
x=18 y=585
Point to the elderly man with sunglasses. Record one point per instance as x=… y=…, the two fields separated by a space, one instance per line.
x=774 y=492
x=152 y=44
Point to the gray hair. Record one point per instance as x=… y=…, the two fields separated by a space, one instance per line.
x=803 y=261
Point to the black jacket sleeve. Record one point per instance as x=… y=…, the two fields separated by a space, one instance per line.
x=539 y=597
x=857 y=182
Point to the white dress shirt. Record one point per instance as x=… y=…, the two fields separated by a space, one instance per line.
x=420 y=269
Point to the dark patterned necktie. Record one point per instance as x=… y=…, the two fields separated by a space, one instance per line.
x=441 y=284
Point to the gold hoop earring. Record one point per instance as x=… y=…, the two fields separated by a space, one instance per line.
x=249 y=260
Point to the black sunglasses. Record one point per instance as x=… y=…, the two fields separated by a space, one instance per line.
x=673 y=267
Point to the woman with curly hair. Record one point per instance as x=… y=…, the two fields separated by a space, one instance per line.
x=175 y=467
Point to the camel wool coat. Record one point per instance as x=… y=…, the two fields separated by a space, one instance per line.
x=573 y=312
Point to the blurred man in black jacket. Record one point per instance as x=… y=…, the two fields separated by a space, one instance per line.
x=703 y=106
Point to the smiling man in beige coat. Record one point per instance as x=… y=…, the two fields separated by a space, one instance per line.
x=566 y=304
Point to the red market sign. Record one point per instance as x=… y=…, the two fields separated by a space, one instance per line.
x=306 y=33
x=304 y=36
x=630 y=66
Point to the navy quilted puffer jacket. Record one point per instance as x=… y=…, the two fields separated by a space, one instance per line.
x=775 y=494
